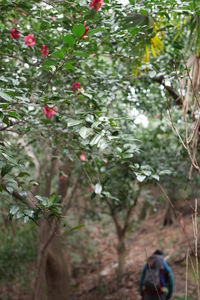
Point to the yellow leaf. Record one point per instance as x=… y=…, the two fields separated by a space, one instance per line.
x=153 y=50
x=135 y=72
x=147 y=53
x=157 y=50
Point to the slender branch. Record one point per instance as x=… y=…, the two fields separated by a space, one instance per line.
x=195 y=231
x=29 y=200
x=11 y=125
x=130 y=212
x=53 y=168
x=169 y=89
x=173 y=125
x=114 y=217
x=67 y=200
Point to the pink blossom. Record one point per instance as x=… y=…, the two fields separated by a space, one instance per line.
x=82 y=157
x=64 y=177
x=96 y=3
x=49 y=112
x=14 y=21
x=14 y=34
x=29 y=40
x=76 y=86
x=86 y=29
x=44 y=50
x=90 y=190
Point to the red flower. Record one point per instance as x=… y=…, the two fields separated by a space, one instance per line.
x=29 y=40
x=82 y=157
x=49 y=112
x=96 y=3
x=76 y=86
x=44 y=49
x=14 y=34
x=86 y=29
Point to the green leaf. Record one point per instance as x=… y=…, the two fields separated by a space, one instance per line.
x=5 y=170
x=87 y=95
x=6 y=121
x=78 y=30
x=11 y=186
x=156 y=177
x=5 y=96
x=69 y=65
x=4 y=105
x=72 y=122
x=146 y=172
x=144 y=12
x=165 y=172
x=22 y=174
x=58 y=54
x=89 y=118
x=96 y=30
x=19 y=215
x=85 y=132
x=108 y=195
x=6 y=156
x=69 y=40
x=42 y=199
x=14 y=115
x=95 y=139
x=14 y=209
x=1 y=116
x=33 y=182
x=50 y=62
x=80 y=53
x=140 y=177
x=78 y=227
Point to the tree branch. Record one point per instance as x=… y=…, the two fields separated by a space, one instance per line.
x=29 y=200
x=170 y=90
x=130 y=212
x=114 y=217
x=66 y=201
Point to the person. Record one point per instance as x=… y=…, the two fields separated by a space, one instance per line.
x=156 y=282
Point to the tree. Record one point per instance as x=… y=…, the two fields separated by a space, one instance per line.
x=65 y=98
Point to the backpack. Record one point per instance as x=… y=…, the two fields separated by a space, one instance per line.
x=154 y=275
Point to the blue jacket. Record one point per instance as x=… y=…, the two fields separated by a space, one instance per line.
x=168 y=279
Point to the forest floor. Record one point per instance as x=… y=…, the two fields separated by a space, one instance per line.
x=151 y=235
x=101 y=283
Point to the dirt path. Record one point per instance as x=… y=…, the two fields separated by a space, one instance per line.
x=150 y=236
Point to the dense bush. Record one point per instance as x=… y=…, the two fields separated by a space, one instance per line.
x=17 y=251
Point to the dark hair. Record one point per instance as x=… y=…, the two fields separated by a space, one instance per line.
x=158 y=252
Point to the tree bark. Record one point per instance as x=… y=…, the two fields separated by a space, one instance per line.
x=53 y=276
x=53 y=280
x=121 y=251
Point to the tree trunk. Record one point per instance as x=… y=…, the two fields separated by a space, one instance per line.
x=121 y=251
x=169 y=216
x=53 y=278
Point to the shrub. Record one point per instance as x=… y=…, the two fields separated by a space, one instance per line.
x=17 y=251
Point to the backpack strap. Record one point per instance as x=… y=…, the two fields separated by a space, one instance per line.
x=162 y=278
